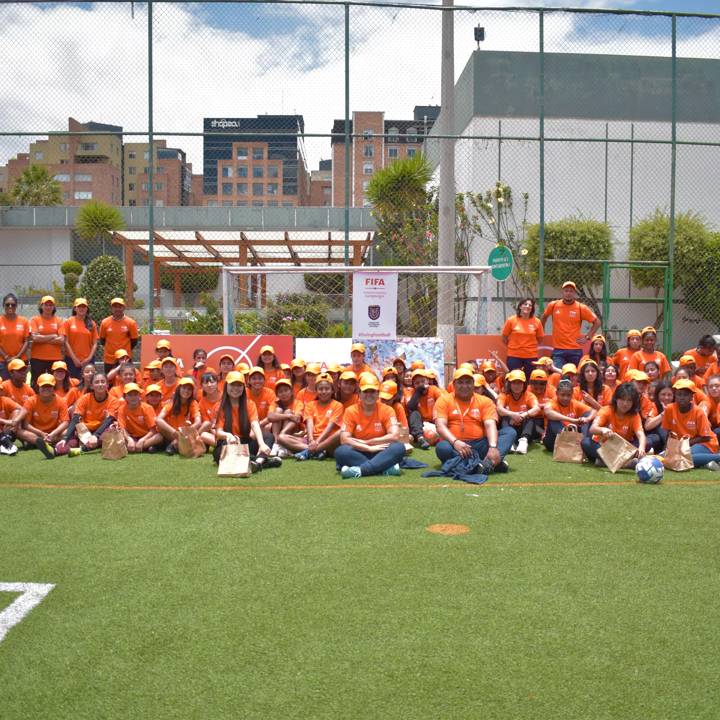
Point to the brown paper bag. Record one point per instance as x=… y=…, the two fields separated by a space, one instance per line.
x=113 y=444
x=83 y=433
x=677 y=454
x=190 y=444
x=234 y=461
x=567 y=446
x=616 y=451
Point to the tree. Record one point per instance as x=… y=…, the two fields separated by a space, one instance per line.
x=71 y=270
x=574 y=238
x=208 y=323
x=702 y=290
x=103 y=280
x=35 y=186
x=97 y=221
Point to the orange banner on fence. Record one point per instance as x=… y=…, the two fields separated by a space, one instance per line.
x=243 y=348
x=472 y=347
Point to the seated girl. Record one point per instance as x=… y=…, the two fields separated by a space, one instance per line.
x=137 y=421
x=45 y=419
x=323 y=418
x=564 y=411
x=285 y=416
x=209 y=403
x=181 y=411
x=517 y=407
x=94 y=413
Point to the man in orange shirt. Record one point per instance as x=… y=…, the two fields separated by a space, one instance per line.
x=568 y=316
x=468 y=422
x=11 y=417
x=117 y=332
x=420 y=406
x=16 y=388
x=14 y=335
x=46 y=418
x=704 y=354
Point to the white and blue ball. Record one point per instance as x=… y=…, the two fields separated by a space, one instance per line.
x=650 y=469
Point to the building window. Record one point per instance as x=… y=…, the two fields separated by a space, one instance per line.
x=62 y=178
x=241 y=203
x=227 y=171
x=242 y=153
x=145 y=186
x=368 y=168
x=212 y=203
x=368 y=151
x=412 y=134
x=39 y=156
x=227 y=203
x=258 y=171
x=411 y=152
x=83 y=177
x=392 y=152
x=63 y=147
x=132 y=155
x=258 y=153
x=366 y=183
x=368 y=134
x=258 y=203
x=159 y=170
x=131 y=187
x=326 y=191
x=83 y=195
x=66 y=196
x=227 y=189
x=146 y=155
x=64 y=162
x=273 y=171
x=272 y=203
x=242 y=188
x=159 y=186
x=146 y=170
x=272 y=188
x=88 y=147
x=131 y=203
x=258 y=189
x=393 y=135
x=242 y=171
x=132 y=170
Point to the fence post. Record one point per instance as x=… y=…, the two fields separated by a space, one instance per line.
x=541 y=264
x=346 y=255
x=151 y=218
x=669 y=286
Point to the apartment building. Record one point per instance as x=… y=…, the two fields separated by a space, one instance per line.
x=172 y=175
x=321 y=185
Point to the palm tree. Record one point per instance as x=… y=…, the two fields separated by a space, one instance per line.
x=36 y=187
x=98 y=221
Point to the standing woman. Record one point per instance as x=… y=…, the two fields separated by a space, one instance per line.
x=14 y=335
x=521 y=334
x=47 y=342
x=237 y=422
x=81 y=338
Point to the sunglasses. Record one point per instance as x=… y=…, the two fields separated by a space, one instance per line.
x=10 y=304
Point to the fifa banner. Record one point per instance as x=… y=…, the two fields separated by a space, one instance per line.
x=374 y=305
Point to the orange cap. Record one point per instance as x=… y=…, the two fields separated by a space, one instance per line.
x=313 y=368
x=417 y=365
x=368 y=381
x=324 y=377
x=648 y=329
x=633 y=333
x=515 y=375
x=389 y=371
x=117 y=301
x=282 y=381
x=47 y=298
x=544 y=361
x=17 y=364
x=131 y=387
x=80 y=301
x=480 y=380
x=357 y=347
x=121 y=354
x=186 y=381
x=153 y=365
x=169 y=359
x=297 y=362
x=234 y=376
x=254 y=370
x=46 y=379
x=568 y=368
x=267 y=348
x=348 y=375
x=686 y=360
x=388 y=390
x=487 y=366
x=462 y=372
x=538 y=375
x=59 y=365
x=162 y=344
x=153 y=389
x=569 y=283
x=226 y=356
x=684 y=384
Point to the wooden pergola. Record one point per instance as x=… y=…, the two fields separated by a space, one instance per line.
x=192 y=251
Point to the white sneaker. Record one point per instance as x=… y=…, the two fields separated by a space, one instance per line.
x=12 y=450
x=275 y=450
x=522 y=446
x=284 y=453
x=4 y=450
x=514 y=448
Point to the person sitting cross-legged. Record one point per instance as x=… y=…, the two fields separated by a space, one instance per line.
x=467 y=422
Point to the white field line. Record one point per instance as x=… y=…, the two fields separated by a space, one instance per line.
x=32 y=595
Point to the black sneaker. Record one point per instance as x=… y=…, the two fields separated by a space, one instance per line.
x=45 y=448
x=502 y=467
x=170 y=450
x=423 y=444
x=152 y=449
x=273 y=462
x=255 y=467
x=486 y=467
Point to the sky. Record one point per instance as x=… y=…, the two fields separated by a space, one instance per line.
x=89 y=61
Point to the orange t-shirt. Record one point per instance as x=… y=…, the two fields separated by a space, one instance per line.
x=526 y=401
x=575 y=409
x=352 y=400
x=466 y=418
x=78 y=337
x=323 y=415
x=712 y=409
x=43 y=326
x=272 y=376
x=621 y=360
x=522 y=336
x=46 y=416
x=567 y=320
x=61 y=392
x=183 y=418
x=19 y=394
x=693 y=423
x=702 y=362
x=712 y=369
x=626 y=427
x=647 y=407
x=117 y=335
x=604 y=397
x=92 y=412
x=638 y=360
x=426 y=404
x=264 y=399
x=553 y=380
x=137 y=422
x=7 y=407
x=208 y=410
x=252 y=417
x=306 y=396
x=167 y=390
x=367 y=427
x=400 y=414
x=13 y=334
x=363 y=368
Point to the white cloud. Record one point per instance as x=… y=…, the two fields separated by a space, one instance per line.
x=91 y=63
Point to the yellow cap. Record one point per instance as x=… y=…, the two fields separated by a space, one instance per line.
x=515 y=375
x=569 y=283
x=389 y=371
x=80 y=301
x=17 y=364
x=153 y=389
x=348 y=375
x=242 y=367
x=59 y=365
x=131 y=387
x=480 y=380
x=169 y=359
x=285 y=366
x=463 y=372
x=648 y=329
x=313 y=368
x=488 y=366
x=162 y=344
x=568 y=368
x=357 y=347
x=633 y=333
x=640 y=376
x=47 y=298
x=186 y=381
x=543 y=361
x=297 y=362
x=282 y=381
x=267 y=348
x=686 y=360
x=417 y=365
x=334 y=368
x=419 y=372
x=399 y=359
x=121 y=353
x=226 y=356
x=234 y=376
x=254 y=370
x=46 y=379
x=117 y=301
x=368 y=381
x=324 y=377
x=153 y=365
x=467 y=365
x=388 y=390
x=684 y=384
x=538 y=375
x=599 y=337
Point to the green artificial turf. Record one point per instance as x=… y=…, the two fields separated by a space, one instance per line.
x=562 y=601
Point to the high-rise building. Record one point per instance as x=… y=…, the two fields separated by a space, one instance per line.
x=257 y=162
x=171 y=175
x=376 y=144
x=88 y=167
x=321 y=185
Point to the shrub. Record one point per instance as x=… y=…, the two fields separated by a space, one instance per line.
x=191 y=282
x=71 y=281
x=71 y=266
x=333 y=284
x=207 y=323
x=97 y=220
x=299 y=314
x=248 y=323
x=103 y=280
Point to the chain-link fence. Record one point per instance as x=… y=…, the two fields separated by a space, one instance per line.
x=579 y=135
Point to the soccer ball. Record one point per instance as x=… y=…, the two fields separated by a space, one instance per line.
x=650 y=469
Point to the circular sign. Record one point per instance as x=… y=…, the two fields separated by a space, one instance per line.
x=500 y=261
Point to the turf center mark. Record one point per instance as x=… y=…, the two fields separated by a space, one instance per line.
x=32 y=595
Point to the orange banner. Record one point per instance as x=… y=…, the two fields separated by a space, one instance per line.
x=472 y=347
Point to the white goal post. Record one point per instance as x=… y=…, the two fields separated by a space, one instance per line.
x=472 y=293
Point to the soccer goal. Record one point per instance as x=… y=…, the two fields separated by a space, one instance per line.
x=318 y=301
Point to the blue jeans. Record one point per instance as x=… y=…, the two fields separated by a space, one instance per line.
x=702 y=456
x=74 y=371
x=4 y=372
x=524 y=364
x=506 y=438
x=555 y=427
x=370 y=463
x=562 y=357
